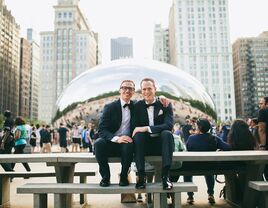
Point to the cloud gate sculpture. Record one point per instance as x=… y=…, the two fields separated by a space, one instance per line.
x=86 y=95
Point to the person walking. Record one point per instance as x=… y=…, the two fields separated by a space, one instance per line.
x=21 y=137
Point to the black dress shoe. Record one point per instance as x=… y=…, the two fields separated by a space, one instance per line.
x=141 y=184
x=167 y=185
x=104 y=183
x=123 y=181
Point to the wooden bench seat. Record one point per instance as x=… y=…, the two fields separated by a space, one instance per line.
x=261 y=186
x=209 y=168
x=6 y=176
x=40 y=191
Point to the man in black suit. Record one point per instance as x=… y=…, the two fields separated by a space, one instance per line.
x=152 y=135
x=115 y=129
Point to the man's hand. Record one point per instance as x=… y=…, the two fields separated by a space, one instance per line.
x=164 y=101
x=140 y=129
x=124 y=139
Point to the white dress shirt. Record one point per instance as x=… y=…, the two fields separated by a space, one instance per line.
x=125 y=124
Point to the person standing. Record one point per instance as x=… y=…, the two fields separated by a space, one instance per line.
x=153 y=133
x=63 y=135
x=9 y=122
x=76 y=138
x=33 y=139
x=115 y=128
x=46 y=139
x=263 y=128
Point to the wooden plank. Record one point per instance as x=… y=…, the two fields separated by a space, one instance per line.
x=259 y=185
x=261 y=156
x=60 y=188
x=44 y=174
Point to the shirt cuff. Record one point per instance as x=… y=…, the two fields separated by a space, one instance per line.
x=115 y=138
x=149 y=129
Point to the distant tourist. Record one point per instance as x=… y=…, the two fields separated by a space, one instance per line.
x=204 y=141
x=21 y=137
x=63 y=135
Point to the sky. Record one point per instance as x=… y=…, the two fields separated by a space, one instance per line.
x=135 y=19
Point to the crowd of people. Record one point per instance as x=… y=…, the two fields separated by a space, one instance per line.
x=133 y=129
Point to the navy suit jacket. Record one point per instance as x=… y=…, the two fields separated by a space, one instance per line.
x=111 y=119
x=163 y=116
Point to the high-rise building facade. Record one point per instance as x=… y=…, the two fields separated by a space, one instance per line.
x=161 y=44
x=66 y=52
x=200 y=44
x=25 y=78
x=35 y=73
x=9 y=61
x=250 y=65
x=121 y=48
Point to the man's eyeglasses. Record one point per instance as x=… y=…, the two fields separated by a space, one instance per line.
x=127 y=88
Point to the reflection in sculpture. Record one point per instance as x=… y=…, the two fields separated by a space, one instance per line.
x=86 y=95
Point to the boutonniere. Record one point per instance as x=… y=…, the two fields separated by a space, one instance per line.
x=160 y=112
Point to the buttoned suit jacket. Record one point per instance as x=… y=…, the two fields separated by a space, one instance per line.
x=111 y=119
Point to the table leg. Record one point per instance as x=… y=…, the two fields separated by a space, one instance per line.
x=254 y=173
x=65 y=174
x=158 y=179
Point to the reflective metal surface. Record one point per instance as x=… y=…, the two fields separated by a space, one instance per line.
x=86 y=95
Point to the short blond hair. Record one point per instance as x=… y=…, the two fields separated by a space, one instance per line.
x=148 y=80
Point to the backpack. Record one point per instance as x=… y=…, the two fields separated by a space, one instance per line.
x=8 y=140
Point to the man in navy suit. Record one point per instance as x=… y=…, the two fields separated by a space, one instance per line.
x=152 y=135
x=115 y=129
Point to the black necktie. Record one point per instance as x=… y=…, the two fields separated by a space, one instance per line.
x=126 y=105
x=151 y=104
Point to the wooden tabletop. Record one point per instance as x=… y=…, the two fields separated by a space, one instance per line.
x=261 y=156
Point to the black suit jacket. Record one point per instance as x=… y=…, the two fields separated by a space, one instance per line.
x=163 y=116
x=111 y=119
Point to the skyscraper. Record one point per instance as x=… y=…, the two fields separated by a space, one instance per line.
x=121 y=48
x=161 y=44
x=35 y=73
x=200 y=44
x=25 y=78
x=65 y=53
x=250 y=60
x=9 y=61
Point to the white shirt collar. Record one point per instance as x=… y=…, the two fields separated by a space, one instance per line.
x=152 y=102
x=123 y=102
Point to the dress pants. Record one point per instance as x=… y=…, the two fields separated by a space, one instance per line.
x=105 y=149
x=147 y=145
x=210 y=181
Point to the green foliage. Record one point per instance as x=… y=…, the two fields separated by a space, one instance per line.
x=2 y=119
x=74 y=105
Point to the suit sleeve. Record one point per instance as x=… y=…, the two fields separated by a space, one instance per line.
x=168 y=121
x=105 y=122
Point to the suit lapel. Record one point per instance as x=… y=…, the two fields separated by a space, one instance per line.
x=119 y=111
x=157 y=108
